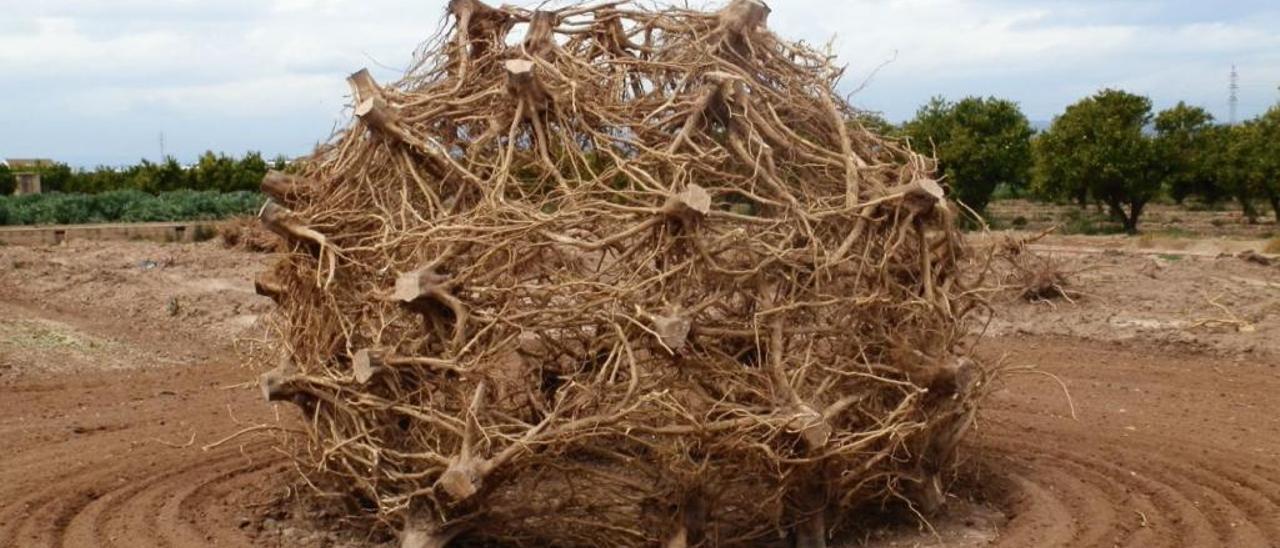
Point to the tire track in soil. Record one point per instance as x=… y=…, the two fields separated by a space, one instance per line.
x=1163 y=452
x=80 y=520
x=67 y=482
x=158 y=499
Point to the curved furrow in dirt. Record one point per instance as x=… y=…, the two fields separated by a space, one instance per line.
x=120 y=505
x=244 y=483
x=1163 y=454
x=167 y=506
x=1169 y=449
x=115 y=459
x=160 y=508
x=1069 y=491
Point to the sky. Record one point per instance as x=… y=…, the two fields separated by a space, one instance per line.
x=109 y=82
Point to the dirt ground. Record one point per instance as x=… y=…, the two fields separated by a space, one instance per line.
x=120 y=389
x=1177 y=294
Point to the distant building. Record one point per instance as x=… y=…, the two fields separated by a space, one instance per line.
x=26 y=172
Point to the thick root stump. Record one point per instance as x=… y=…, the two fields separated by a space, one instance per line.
x=636 y=279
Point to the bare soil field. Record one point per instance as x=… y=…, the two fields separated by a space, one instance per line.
x=121 y=389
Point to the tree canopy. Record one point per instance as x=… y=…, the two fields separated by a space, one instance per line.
x=1183 y=133
x=7 y=182
x=1097 y=148
x=979 y=143
x=218 y=172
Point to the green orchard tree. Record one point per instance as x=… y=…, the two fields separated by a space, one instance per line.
x=214 y=172
x=979 y=143
x=55 y=177
x=1097 y=149
x=280 y=162
x=7 y=182
x=1236 y=161
x=874 y=122
x=1057 y=181
x=1182 y=136
x=249 y=172
x=1267 y=160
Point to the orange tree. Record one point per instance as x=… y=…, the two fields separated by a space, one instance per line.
x=1183 y=135
x=979 y=143
x=1098 y=147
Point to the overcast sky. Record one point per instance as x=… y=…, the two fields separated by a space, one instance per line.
x=98 y=81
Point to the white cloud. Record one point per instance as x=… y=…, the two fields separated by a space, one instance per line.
x=55 y=45
x=155 y=64
x=1045 y=54
x=257 y=97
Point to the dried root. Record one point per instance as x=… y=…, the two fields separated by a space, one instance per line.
x=247 y=234
x=636 y=279
x=1032 y=276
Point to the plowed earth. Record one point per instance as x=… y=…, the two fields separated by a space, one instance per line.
x=113 y=403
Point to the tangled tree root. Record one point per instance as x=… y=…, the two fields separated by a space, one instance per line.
x=1043 y=282
x=636 y=279
x=1034 y=277
x=247 y=234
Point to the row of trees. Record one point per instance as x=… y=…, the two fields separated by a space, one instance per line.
x=212 y=172
x=1110 y=149
x=127 y=206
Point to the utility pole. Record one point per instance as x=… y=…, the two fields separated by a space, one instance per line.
x=1235 y=93
x=162 y=141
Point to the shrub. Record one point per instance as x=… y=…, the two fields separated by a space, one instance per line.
x=129 y=206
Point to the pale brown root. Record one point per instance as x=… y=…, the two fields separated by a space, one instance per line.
x=689 y=206
x=522 y=82
x=268 y=286
x=811 y=426
x=277 y=384
x=426 y=532
x=919 y=196
x=285 y=188
x=540 y=39
x=246 y=233
x=363 y=86
x=678 y=539
x=740 y=19
x=379 y=115
x=368 y=362
x=286 y=224
x=588 y=283
x=812 y=532
x=673 y=331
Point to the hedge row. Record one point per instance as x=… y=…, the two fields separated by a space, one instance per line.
x=126 y=206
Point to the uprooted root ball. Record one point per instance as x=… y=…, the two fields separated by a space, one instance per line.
x=637 y=278
x=1033 y=276
x=247 y=234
